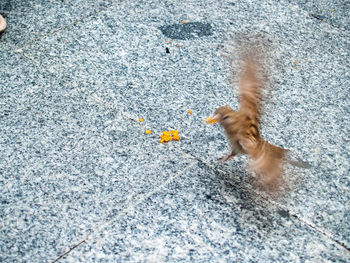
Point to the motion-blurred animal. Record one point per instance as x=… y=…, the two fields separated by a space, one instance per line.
x=242 y=126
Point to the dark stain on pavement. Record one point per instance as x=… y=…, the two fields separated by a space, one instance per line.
x=187 y=31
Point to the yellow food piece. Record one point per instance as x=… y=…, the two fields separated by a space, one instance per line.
x=189 y=112
x=140 y=120
x=210 y=120
x=176 y=137
x=147 y=131
x=174 y=132
x=165 y=136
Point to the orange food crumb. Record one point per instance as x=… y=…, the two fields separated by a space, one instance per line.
x=140 y=120
x=167 y=136
x=210 y=120
x=184 y=22
x=169 y=42
x=174 y=132
x=176 y=137
x=189 y=112
x=148 y=131
x=297 y=61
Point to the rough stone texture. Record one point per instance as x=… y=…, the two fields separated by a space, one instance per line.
x=79 y=179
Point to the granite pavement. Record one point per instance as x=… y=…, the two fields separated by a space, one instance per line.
x=80 y=181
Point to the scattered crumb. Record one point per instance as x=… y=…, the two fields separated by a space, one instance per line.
x=178 y=45
x=176 y=138
x=140 y=120
x=189 y=112
x=297 y=61
x=210 y=120
x=323 y=20
x=184 y=22
x=169 y=42
x=332 y=10
x=175 y=135
x=148 y=131
x=167 y=136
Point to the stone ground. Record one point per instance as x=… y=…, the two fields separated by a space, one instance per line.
x=81 y=181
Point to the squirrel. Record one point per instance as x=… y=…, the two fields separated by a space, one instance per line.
x=242 y=126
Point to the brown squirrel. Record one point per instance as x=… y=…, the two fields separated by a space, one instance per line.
x=242 y=126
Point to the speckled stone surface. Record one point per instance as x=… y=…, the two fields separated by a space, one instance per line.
x=238 y=227
x=29 y=20
x=334 y=13
x=68 y=163
x=80 y=181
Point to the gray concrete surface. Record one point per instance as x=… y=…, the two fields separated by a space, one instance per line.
x=81 y=181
